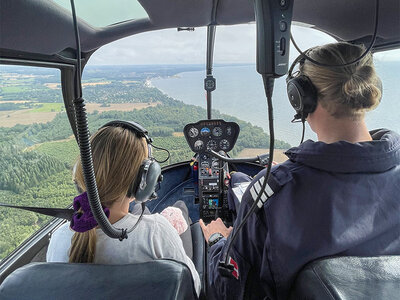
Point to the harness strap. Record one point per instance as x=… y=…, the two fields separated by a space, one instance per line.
x=63 y=213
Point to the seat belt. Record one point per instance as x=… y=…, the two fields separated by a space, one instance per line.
x=63 y=213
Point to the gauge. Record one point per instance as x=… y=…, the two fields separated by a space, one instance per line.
x=193 y=132
x=212 y=145
x=215 y=164
x=205 y=131
x=229 y=130
x=217 y=131
x=198 y=145
x=224 y=144
x=204 y=157
x=209 y=83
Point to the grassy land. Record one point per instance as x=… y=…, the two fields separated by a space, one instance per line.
x=65 y=151
x=279 y=155
x=47 y=107
x=14 y=89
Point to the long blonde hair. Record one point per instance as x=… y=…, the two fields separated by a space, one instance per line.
x=117 y=155
x=345 y=92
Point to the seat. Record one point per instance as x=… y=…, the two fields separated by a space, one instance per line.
x=199 y=250
x=349 y=278
x=158 y=279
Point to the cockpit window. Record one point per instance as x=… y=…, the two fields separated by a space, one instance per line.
x=106 y=12
x=37 y=150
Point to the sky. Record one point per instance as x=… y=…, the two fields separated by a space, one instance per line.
x=233 y=44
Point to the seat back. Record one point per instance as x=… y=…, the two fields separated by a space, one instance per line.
x=159 y=279
x=349 y=278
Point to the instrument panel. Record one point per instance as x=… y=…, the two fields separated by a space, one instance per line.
x=211 y=134
x=211 y=172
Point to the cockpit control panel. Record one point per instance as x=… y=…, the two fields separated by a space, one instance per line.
x=219 y=136
x=211 y=134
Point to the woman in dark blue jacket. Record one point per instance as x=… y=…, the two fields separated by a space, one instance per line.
x=336 y=196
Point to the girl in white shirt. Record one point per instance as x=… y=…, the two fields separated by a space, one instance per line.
x=117 y=156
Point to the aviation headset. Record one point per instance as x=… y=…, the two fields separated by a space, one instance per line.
x=149 y=175
x=301 y=91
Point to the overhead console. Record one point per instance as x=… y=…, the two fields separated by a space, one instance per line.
x=211 y=173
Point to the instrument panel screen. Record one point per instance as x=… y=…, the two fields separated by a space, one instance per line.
x=211 y=134
x=213 y=203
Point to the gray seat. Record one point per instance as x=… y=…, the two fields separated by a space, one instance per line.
x=349 y=278
x=159 y=279
x=199 y=250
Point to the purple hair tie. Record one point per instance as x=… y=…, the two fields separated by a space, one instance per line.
x=84 y=220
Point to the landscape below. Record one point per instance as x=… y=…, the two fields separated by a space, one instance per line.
x=38 y=150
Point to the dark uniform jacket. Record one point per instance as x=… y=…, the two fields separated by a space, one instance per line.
x=326 y=200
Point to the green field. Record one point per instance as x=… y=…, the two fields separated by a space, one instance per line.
x=14 y=89
x=66 y=151
x=48 y=107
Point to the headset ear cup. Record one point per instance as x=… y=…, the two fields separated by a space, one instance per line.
x=294 y=95
x=302 y=95
x=145 y=183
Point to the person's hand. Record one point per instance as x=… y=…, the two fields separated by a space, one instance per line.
x=213 y=227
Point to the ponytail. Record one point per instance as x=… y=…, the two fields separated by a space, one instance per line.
x=83 y=247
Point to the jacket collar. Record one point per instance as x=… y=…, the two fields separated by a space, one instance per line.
x=378 y=155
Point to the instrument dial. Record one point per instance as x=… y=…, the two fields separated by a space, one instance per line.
x=229 y=130
x=212 y=145
x=198 y=145
x=204 y=157
x=193 y=132
x=205 y=131
x=215 y=164
x=224 y=144
x=217 y=131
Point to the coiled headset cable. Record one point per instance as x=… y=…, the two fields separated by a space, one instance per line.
x=85 y=148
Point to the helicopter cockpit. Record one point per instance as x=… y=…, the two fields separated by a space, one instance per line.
x=53 y=34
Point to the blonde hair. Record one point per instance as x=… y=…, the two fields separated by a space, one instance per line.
x=345 y=92
x=117 y=155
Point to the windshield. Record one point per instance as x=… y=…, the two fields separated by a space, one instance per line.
x=155 y=79
x=106 y=12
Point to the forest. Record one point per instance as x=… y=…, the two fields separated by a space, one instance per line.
x=36 y=159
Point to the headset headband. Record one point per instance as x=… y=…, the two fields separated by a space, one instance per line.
x=134 y=127
x=299 y=59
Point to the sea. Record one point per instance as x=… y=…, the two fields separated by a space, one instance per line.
x=240 y=93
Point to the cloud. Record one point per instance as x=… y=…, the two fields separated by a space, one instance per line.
x=391 y=55
x=233 y=44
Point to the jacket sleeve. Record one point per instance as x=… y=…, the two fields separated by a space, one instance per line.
x=248 y=258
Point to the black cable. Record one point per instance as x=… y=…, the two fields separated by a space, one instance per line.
x=268 y=85
x=305 y=56
x=159 y=148
x=140 y=218
x=304 y=130
x=85 y=148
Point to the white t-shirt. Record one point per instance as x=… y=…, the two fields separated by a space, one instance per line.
x=153 y=238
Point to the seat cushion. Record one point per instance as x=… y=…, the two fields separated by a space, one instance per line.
x=199 y=250
x=159 y=279
x=349 y=278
